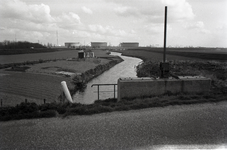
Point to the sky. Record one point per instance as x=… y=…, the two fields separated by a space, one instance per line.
x=189 y=22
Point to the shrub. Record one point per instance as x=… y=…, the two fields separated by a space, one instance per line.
x=25 y=108
x=47 y=114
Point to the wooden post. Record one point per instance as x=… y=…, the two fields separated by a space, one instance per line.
x=98 y=92
x=1 y=102
x=44 y=100
x=26 y=100
x=114 y=91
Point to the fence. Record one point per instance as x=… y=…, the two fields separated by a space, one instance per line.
x=105 y=85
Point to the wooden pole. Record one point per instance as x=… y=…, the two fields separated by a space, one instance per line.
x=98 y=92
x=114 y=90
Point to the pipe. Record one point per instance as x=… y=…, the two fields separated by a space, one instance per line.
x=66 y=91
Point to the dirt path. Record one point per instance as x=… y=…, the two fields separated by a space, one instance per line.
x=202 y=125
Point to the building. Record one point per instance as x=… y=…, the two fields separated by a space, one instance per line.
x=129 y=45
x=81 y=54
x=72 y=44
x=99 y=44
x=86 y=54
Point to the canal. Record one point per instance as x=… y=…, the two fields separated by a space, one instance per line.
x=123 y=69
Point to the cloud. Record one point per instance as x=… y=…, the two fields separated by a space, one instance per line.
x=20 y=10
x=87 y=10
x=153 y=10
x=179 y=10
x=68 y=20
x=19 y=15
x=197 y=26
x=126 y=11
x=107 y=30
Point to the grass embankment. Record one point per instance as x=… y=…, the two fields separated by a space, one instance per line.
x=38 y=80
x=215 y=70
x=81 y=80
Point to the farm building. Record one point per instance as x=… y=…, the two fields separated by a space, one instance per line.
x=129 y=45
x=72 y=44
x=81 y=54
x=86 y=54
x=98 y=44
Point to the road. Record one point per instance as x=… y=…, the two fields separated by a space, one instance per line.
x=189 y=126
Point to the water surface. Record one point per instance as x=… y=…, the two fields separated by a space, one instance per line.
x=123 y=69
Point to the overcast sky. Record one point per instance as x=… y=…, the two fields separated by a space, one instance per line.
x=190 y=22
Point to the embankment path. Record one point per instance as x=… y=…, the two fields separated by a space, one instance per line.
x=202 y=125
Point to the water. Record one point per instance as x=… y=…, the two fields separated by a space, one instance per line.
x=123 y=69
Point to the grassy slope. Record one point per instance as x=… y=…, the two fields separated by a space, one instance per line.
x=30 y=86
x=37 y=86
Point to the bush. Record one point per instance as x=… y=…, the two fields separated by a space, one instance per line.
x=24 y=108
x=47 y=114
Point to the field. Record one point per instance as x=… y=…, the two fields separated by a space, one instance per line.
x=156 y=54
x=75 y=66
x=61 y=54
x=30 y=86
x=26 y=51
x=40 y=81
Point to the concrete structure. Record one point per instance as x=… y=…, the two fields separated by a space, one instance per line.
x=99 y=44
x=144 y=87
x=86 y=54
x=89 y=54
x=129 y=45
x=72 y=44
x=81 y=54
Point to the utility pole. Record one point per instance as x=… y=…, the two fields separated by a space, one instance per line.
x=165 y=29
x=57 y=37
x=164 y=66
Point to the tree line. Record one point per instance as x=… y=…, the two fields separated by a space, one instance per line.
x=21 y=45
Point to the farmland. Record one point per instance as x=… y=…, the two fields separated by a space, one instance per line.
x=16 y=86
x=61 y=54
x=156 y=54
x=40 y=81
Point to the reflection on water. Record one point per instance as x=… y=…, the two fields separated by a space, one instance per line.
x=123 y=69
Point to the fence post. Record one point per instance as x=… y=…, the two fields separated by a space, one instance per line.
x=26 y=100
x=114 y=91
x=98 y=92
x=44 y=100
x=1 y=102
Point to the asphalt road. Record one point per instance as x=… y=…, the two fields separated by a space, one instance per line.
x=189 y=126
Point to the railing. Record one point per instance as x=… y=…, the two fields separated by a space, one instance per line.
x=104 y=85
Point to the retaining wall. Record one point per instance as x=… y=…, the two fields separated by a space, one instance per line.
x=144 y=87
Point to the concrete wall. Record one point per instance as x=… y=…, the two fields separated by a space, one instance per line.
x=139 y=87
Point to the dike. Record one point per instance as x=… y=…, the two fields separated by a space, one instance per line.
x=81 y=81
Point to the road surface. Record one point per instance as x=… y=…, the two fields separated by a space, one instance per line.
x=189 y=126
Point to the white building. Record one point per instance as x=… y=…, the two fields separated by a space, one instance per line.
x=129 y=45
x=99 y=44
x=72 y=44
